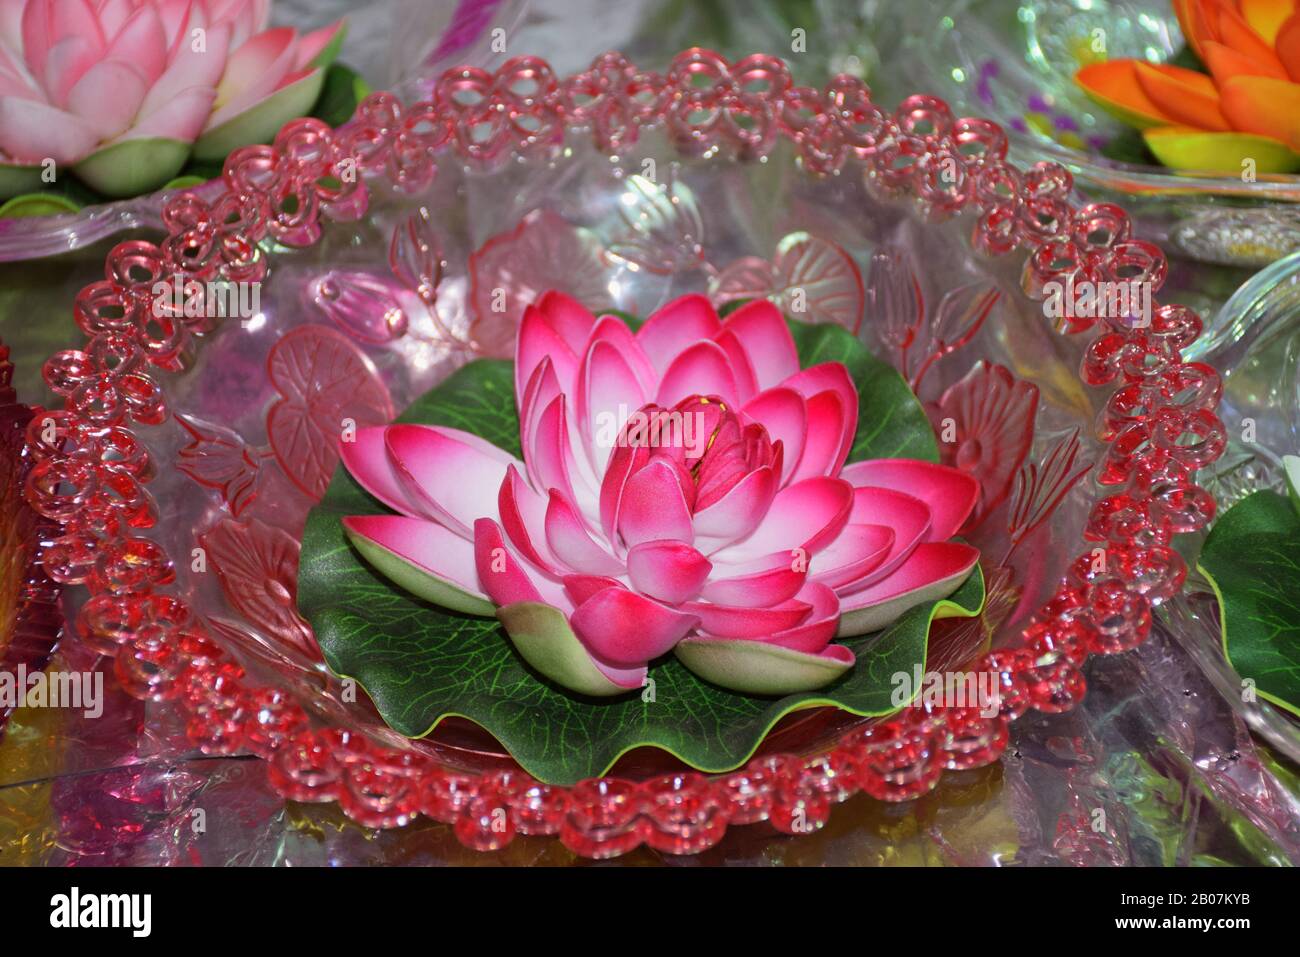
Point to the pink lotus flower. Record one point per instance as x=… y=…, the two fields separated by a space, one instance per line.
x=683 y=488
x=123 y=91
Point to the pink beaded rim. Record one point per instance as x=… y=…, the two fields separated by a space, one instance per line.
x=1159 y=423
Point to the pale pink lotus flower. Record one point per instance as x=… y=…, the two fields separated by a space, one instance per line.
x=123 y=92
x=742 y=542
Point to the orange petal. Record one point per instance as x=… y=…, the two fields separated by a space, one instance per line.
x=1258 y=104
x=1225 y=63
x=1199 y=20
x=1179 y=147
x=1114 y=85
x=1236 y=33
x=1185 y=95
x=1288 y=47
x=1266 y=16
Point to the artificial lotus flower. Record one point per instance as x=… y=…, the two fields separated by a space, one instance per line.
x=683 y=488
x=123 y=92
x=1246 y=108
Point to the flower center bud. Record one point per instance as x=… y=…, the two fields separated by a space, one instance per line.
x=707 y=443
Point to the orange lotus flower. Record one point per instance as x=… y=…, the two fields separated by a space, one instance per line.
x=1246 y=108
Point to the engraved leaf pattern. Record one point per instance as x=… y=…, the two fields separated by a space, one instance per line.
x=513 y=269
x=323 y=381
x=257 y=565
x=664 y=232
x=810 y=278
x=219 y=458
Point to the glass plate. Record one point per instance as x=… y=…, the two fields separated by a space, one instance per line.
x=191 y=446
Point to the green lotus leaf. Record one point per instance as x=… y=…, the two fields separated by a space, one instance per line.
x=1252 y=560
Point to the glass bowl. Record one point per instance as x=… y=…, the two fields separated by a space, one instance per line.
x=191 y=443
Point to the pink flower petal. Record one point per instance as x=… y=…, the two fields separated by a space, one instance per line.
x=908 y=517
x=500 y=575
x=950 y=493
x=741 y=369
x=670 y=572
x=366 y=459
x=737 y=513
x=180 y=118
x=549 y=456
x=807 y=516
x=45 y=23
x=429 y=548
x=816 y=631
x=934 y=570
x=65 y=64
x=857 y=550
x=33 y=132
x=453 y=475
x=571 y=543
x=762 y=332
x=623 y=677
x=613 y=330
x=107 y=97
x=608 y=392
x=833 y=376
x=783 y=413
x=568 y=318
x=178 y=18
x=190 y=69
x=254 y=69
x=676 y=326
x=702 y=369
x=623 y=461
x=824 y=442
x=653 y=507
x=538 y=342
x=523 y=516
x=581 y=587
x=311 y=44
x=739 y=621
x=778 y=582
x=626 y=629
x=141 y=42
x=113 y=15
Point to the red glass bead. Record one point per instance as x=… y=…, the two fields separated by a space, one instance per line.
x=971 y=739
x=897 y=762
x=485 y=823
x=1121 y=617
x=535 y=808
x=685 y=812
x=1008 y=667
x=305 y=769
x=797 y=807
x=382 y=792
x=1054 y=684
x=603 y=819
x=446 y=794
x=274 y=719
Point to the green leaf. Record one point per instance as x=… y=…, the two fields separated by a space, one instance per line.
x=1252 y=560
x=421 y=664
x=342 y=91
x=133 y=167
x=37 y=204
